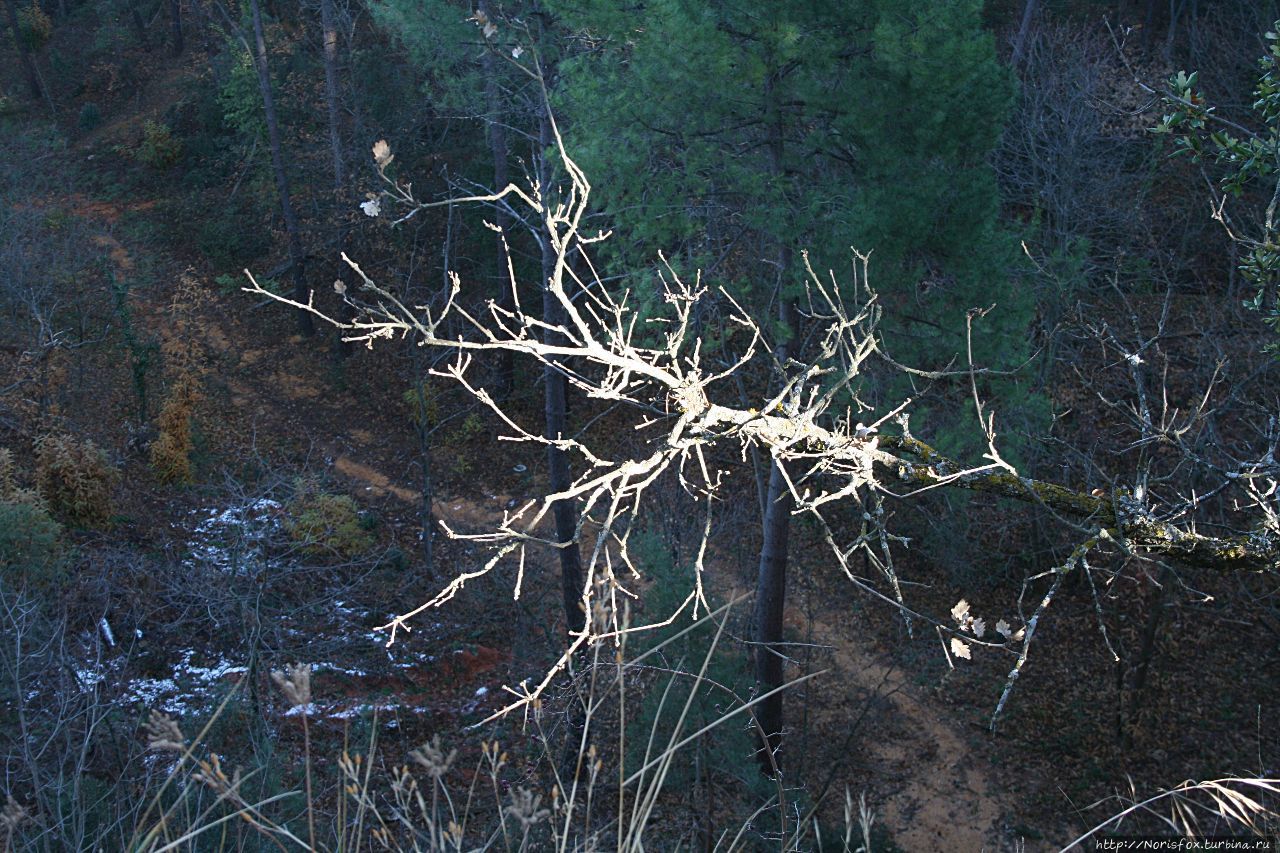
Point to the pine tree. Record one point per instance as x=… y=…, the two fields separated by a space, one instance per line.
x=732 y=135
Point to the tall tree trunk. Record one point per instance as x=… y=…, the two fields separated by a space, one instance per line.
x=427 y=490
x=771 y=598
x=296 y=257
x=495 y=119
x=177 y=44
x=1171 y=34
x=139 y=26
x=771 y=581
x=331 y=90
x=28 y=61
x=1149 y=633
x=1024 y=30
x=564 y=511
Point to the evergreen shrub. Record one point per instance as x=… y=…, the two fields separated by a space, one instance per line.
x=31 y=546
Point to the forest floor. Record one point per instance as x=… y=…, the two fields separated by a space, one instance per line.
x=277 y=395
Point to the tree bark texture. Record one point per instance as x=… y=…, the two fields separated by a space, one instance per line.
x=176 y=44
x=28 y=61
x=330 y=41
x=771 y=599
x=771 y=580
x=1024 y=31
x=297 y=258
x=495 y=119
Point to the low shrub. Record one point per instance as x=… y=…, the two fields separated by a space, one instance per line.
x=10 y=490
x=35 y=27
x=472 y=427
x=423 y=404
x=31 y=546
x=171 y=451
x=327 y=524
x=75 y=479
x=183 y=357
x=159 y=148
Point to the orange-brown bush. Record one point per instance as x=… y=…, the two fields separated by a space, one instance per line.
x=75 y=479
x=171 y=451
x=10 y=490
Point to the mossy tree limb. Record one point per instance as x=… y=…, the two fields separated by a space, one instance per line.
x=1123 y=518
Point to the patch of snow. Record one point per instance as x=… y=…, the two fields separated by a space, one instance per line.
x=105 y=627
x=333 y=667
x=188 y=688
x=230 y=539
x=159 y=693
x=350 y=712
x=342 y=608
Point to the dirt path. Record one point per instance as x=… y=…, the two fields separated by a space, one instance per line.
x=934 y=791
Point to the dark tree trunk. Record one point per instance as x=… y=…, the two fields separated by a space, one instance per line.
x=1171 y=34
x=771 y=598
x=1149 y=633
x=139 y=26
x=1149 y=25
x=424 y=457
x=28 y=61
x=297 y=258
x=331 y=90
x=771 y=586
x=495 y=120
x=177 y=44
x=564 y=511
x=771 y=582
x=1024 y=30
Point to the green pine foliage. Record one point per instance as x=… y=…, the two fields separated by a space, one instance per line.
x=32 y=553
x=31 y=549
x=443 y=46
x=882 y=119
x=240 y=98
x=728 y=136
